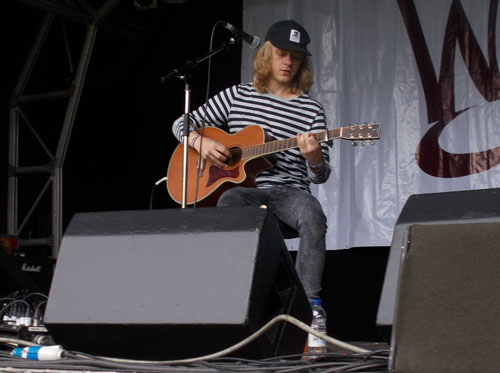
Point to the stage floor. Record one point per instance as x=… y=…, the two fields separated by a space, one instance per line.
x=336 y=360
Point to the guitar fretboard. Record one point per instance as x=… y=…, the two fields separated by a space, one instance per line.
x=290 y=143
x=356 y=132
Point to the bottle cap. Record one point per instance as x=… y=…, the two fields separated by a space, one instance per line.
x=316 y=302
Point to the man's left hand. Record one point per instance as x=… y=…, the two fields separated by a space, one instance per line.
x=310 y=148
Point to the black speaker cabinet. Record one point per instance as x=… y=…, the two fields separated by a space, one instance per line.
x=462 y=207
x=14 y=274
x=174 y=284
x=448 y=300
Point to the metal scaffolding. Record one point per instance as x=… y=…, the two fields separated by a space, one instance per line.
x=51 y=172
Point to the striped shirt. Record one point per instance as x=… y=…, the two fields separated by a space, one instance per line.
x=241 y=105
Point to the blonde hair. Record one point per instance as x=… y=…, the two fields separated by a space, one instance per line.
x=262 y=68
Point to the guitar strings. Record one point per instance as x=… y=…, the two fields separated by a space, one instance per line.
x=270 y=147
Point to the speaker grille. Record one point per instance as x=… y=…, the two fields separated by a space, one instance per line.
x=448 y=301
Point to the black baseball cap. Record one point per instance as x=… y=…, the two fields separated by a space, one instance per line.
x=289 y=35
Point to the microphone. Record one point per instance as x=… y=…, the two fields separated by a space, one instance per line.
x=254 y=41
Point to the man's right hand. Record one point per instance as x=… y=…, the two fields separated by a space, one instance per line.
x=212 y=150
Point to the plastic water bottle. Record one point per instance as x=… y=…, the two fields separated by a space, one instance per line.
x=317 y=345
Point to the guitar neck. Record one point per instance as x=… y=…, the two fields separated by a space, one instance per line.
x=367 y=131
x=290 y=143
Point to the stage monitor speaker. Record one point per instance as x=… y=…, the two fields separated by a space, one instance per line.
x=474 y=206
x=175 y=284
x=448 y=300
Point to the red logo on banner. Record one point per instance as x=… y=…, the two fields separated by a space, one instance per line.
x=439 y=93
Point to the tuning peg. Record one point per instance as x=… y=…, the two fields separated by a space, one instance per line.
x=363 y=143
x=372 y=142
x=354 y=143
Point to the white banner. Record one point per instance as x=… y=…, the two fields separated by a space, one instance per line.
x=427 y=71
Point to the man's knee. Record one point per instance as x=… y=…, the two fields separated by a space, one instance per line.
x=231 y=197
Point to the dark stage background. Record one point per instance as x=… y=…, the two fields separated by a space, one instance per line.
x=122 y=141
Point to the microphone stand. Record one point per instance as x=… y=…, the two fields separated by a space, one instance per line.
x=183 y=73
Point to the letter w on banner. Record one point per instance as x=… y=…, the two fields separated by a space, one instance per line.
x=376 y=61
x=440 y=92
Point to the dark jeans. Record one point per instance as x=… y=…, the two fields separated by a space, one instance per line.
x=302 y=212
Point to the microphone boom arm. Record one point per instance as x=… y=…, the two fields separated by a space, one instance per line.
x=181 y=71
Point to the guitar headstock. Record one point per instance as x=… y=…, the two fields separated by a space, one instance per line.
x=363 y=132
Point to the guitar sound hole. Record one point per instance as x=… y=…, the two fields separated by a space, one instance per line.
x=235 y=156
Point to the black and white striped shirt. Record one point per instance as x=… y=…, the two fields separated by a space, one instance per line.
x=241 y=105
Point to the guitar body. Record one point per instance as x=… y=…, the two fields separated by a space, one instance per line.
x=213 y=181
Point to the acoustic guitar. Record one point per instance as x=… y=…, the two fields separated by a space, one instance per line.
x=250 y=155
